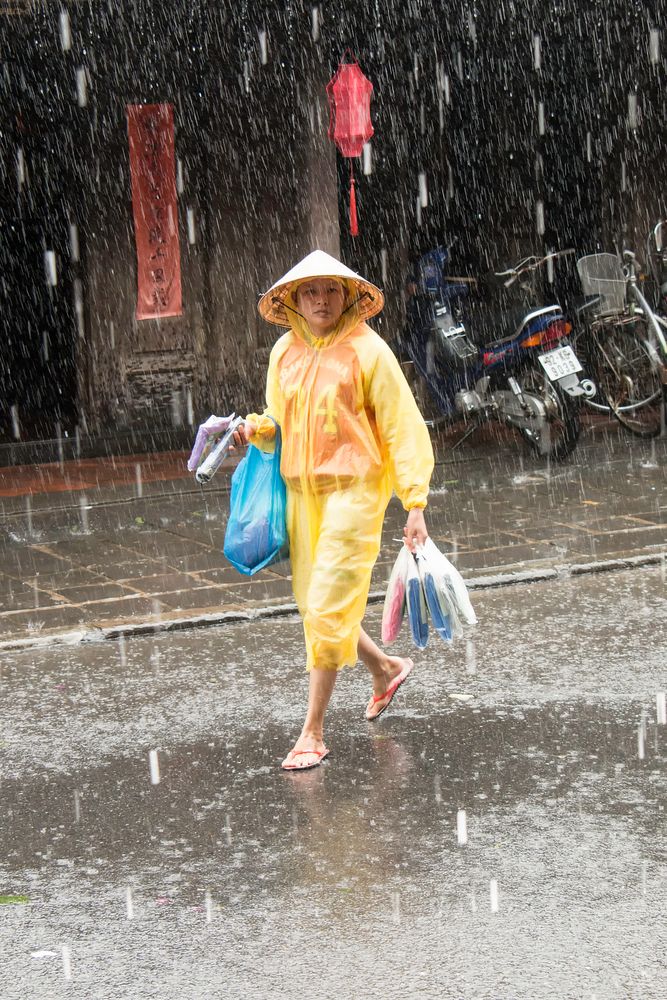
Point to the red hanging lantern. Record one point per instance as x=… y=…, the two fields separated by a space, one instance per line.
x=349 y=93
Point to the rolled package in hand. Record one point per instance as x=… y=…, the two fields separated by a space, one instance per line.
x=218 y=454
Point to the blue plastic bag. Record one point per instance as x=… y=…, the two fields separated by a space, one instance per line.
x=256 y=534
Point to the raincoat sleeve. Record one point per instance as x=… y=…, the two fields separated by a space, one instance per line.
x=265 y=432
x=401 y=428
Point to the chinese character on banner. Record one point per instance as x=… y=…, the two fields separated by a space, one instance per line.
x=153 y=174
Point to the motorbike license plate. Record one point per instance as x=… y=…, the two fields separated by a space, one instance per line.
x=559 y=363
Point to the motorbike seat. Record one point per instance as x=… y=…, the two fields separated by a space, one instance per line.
x=508 y=322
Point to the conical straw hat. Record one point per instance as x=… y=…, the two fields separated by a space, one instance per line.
x=318 y=264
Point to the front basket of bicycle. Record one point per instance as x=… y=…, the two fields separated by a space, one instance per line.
x=602 y=274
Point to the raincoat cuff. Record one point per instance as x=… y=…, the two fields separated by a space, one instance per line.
x=264 y=435
x=411 y=504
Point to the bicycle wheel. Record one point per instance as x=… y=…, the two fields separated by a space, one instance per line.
x=628 y=376
x=562 y=413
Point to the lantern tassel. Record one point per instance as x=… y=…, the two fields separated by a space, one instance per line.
x=354 y=225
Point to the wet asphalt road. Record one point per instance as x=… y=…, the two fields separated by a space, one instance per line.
x=231 y=879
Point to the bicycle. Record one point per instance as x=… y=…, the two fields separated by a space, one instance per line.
x=623 y=342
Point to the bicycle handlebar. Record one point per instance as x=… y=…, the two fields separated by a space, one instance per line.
x=528 y=264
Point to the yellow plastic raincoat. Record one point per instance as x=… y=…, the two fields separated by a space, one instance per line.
x=351 y=431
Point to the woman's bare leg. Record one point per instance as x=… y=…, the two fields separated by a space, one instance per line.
x=320 y=688
x=383 y=668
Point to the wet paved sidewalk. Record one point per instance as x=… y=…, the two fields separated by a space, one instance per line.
x=108 y=544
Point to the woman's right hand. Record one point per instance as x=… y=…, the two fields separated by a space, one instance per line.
x=242 y=435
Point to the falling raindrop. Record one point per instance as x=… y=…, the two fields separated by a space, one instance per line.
x=461 y=828
x=384 y=264
x=396 y=907
x=661 y=707
x=441 y=114
x=550 y=269
x=112 y=334
x=81 y=87
x=192 y=238
x=419 y=210
x=450 y=182
x=138 y=478
x=208 y=905
x=471 y=657
x=129 y=903
x=246 y=76
x=493 y=892
x=437 y=789
x=77 y=806
x=623 y=176
x=315 y=23
x=632 y=111
x=539 y=217
x=641 y=740
x=189 y=408
x=65 y=31
x=83 y=514
x=446 y=90
x=28 y=516
x=51 y=268
x=177 y=408
x=423 y=190
x=541 y=127
x=45 y=346
x=589 y=147
x=654 y=46
x=454 y=550
x=228 y=830
x=20 y=166
x=155 y=767
x=537 y=52
x=67 y=962
x=78 y=306
x=367 y=158
x=73 y=242
x=263 y=47
x=180 y=186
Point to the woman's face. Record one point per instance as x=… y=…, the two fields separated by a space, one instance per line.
x=321 y=302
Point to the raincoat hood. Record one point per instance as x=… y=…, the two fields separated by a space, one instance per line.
x=278 y=305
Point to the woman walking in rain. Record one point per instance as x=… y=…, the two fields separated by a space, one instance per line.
x=351 y=432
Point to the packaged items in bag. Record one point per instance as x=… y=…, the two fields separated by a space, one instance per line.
x=256 y=533
x=438 y=601
x=453 y=584
x=416 y=604
x=394 y=601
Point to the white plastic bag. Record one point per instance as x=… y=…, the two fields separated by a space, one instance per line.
x=454 y=584
x=438 y=600
x=394 y=601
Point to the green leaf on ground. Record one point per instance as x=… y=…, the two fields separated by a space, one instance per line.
x=139 y=520
x=13 y=899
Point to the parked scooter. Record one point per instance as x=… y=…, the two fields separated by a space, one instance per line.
x=529 y=378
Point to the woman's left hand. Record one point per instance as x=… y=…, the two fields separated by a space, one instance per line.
x=415 y=532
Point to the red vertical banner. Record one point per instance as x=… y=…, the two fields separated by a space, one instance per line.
x=152 y=169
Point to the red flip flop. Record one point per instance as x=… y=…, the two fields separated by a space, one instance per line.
x=390 y=692
x=320 y=754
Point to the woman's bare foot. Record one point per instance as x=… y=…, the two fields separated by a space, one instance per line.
x=307 y=752
x=385 y=686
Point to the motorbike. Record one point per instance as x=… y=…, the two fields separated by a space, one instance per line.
x=528 y=377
